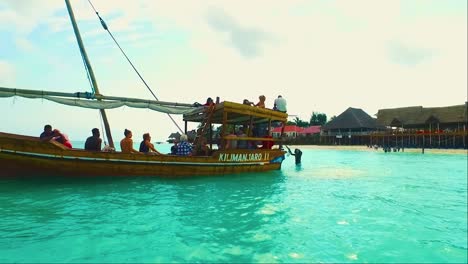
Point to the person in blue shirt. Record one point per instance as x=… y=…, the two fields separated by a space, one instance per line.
x=146 y=146
x=184 y=148
x=48 y=134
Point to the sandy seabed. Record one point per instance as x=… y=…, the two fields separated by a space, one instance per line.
x=365 y=148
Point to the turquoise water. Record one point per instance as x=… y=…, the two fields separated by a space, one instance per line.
x=339 y=206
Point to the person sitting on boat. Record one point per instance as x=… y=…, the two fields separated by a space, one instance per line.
x=146 y=146
x=280 y=104
x=48 y=134
x=184 y=148
x=202 y=148
x=247 y=102
x=62 y=138
x=94 y=142
x=126 y=144
x=261 y=103
x=209 y=102
x=174 y=148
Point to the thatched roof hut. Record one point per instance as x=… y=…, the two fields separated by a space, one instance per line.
x=353 y=119
x=418 y=116
x=173 y=136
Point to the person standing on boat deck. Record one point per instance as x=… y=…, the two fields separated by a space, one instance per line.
x=126 y=144
x=48 y=134
x=62 y=138
x=297 y=154
x=184 y=148
x=280 y=104
x=261 y=103
x=93 y=143
x=146 y=146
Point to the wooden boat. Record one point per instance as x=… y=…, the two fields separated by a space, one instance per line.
x=28 y=156
x=22 y=155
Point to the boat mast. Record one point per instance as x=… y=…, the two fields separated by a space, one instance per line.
x=90 y=71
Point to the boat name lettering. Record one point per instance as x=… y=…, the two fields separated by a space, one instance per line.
x=242 y=157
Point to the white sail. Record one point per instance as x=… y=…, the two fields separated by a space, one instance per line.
x=103 y=103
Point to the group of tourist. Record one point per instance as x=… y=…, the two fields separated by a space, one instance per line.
x=94 y=142
x=234 y=143
x=183 y=148
x=278 y=105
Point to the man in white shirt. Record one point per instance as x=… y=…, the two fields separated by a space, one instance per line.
x=280 y=104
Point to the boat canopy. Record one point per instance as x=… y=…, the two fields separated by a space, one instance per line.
x=236 y=113
x=95 y=101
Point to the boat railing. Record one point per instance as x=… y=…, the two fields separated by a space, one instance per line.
x=252 y=138
x=265 y=142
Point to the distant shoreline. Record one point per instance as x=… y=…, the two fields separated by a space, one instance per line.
x=365 y=148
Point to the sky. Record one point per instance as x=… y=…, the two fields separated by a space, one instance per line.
x=320 y=55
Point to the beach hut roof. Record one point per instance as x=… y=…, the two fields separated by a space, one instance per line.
x=352 y=118
x=311 y=130
x=287 y=129
x=418 y=115
x=175 y=135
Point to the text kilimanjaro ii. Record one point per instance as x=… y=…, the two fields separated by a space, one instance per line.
x=243 y=157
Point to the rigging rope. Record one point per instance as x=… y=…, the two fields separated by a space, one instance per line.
x=104 y=25
x=102 y=125
x=87 y=74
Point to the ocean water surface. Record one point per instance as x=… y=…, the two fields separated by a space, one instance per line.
x=338 y=206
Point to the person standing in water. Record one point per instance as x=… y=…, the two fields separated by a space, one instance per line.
x=297 y=154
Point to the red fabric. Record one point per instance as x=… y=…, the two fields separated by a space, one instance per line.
x=267 y=144
x=68 y=144
x=311 y=130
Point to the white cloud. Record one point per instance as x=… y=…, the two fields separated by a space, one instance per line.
x=320 y=55
x=7 y=73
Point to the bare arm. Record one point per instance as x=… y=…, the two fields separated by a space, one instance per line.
x=289 y=150
x=151 y=147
